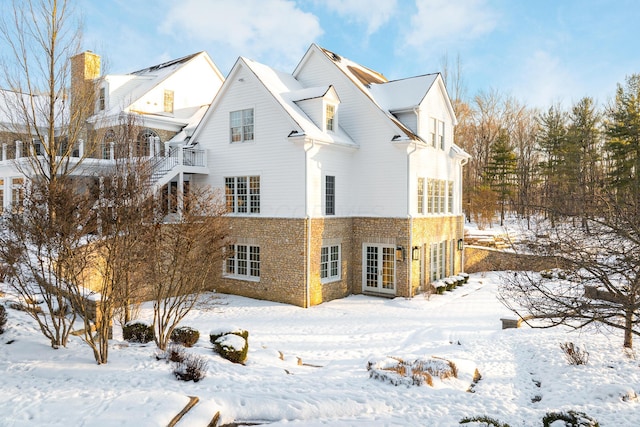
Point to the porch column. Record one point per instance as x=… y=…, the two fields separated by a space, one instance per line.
x=81 y=148
x=18 y=149
x=180 y=194
x=152 y=146
x=4 y=151
x=112 y=150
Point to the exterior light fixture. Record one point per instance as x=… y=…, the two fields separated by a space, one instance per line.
x=399 y=253
x=415 y=253
x=460 y=244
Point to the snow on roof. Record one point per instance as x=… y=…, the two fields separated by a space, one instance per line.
x=14 y=105
x=308 y=93
x=286 y=90
x=402 y=94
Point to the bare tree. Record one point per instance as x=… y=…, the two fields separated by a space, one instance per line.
x=48 y=219
x=180 y=258
x=600 y=280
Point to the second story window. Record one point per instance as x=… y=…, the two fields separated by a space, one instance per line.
x=242 y=194
x=102 y=102
x=330 y=114
x=168 y=101
x=420 y=195
x=241 y=122
x=330 y=195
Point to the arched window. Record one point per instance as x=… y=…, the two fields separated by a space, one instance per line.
x=143 y=145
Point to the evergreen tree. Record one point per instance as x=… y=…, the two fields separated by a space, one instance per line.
x=623 y=141
x=500 y=172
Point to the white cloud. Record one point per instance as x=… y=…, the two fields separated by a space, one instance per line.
x=542 y=80
x=272 y=31
x=372 y=14
x=447 y=22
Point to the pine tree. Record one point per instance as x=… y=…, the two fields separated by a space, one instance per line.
x=500 y=172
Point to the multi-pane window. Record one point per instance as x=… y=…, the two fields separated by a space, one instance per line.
x=330 y=195
x=168 y=101
x=241 y=125
x=17 y=193
x=243 y=261
x=437 y=133
x=420 y=195
x=242 y=194
x=330 y=113
x=438 y=257
x=330 y=263
x=434 y=131
x=439 y=197
x=102 y=99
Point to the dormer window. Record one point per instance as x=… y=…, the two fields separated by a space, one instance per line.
x=102 y=99
x=168 y=101
x=330 y=117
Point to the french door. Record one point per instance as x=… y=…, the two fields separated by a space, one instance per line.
x=379 y=268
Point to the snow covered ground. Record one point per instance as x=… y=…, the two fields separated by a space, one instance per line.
x=524 y=372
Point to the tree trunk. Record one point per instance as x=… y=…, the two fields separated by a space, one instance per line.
x=628 y=329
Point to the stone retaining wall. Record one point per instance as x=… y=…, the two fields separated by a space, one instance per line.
x=478 y=259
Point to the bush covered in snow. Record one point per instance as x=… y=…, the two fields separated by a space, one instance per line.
x=3 y=318
x=484 y=420
x=568 y=419
x=231 y=343
x=185 y=335
x=137 y=331
x=417 y=372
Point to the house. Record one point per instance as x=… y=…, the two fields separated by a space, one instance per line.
x=337 y=181
x=165 y=102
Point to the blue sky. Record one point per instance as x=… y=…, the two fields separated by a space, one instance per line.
x=539 y=51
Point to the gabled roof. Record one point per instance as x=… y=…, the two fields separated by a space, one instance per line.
x=389 y=96
x=14 y=105
x=404 y=94
x=126 y=89
x=285 y=90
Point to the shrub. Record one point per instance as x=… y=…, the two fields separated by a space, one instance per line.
x=418 y=372
x=465 y=277
x=487 y=421
x=3 y=318
x=185 y=335
x=191 y=368
x=232 y=347
x=173 y=353
x=571 y=419
x=217 y=333
x=574 y=354
x=138 y=332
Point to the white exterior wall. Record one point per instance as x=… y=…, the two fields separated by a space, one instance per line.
x=378 y=167
x=279 y=162
x=333 y=161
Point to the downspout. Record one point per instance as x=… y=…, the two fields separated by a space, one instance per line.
x=410 y=248
x=307 y=286
x=462 y=163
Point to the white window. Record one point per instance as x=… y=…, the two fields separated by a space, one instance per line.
x=168 y=101
x=17 y=193
x=330 y=113
x=242 y=194
x=102 y=99
x=441 y=134
x=330 y=195
x=439 y=196
x=241 y=122
x=420 y=195
x=330 y=263
x=438 y=259
x=243 y=262
x=434 y=131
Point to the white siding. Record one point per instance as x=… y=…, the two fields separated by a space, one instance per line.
x=279 y=163
x=378 y=168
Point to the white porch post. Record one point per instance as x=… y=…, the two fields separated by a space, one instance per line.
x=18 y=149
x=152 y=146
x=4 y=151
x=112 y=150
x=81 y=148
x=180 y=195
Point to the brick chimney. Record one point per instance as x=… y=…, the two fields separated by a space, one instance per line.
x=85 y=69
